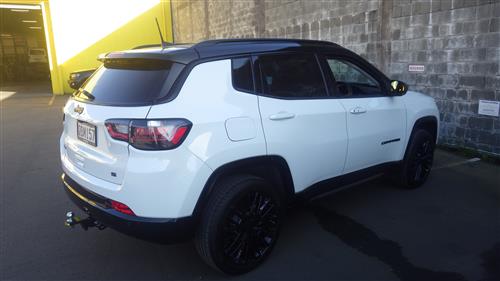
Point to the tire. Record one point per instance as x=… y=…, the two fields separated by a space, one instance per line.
x=417 y=163
x=240 y=224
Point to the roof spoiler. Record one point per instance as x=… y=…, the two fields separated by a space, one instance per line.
x=102 y=57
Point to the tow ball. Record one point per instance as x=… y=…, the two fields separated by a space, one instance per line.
x=86 y=223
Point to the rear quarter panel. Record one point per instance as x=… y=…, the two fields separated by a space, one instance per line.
x=217 y=112
x=208 y=100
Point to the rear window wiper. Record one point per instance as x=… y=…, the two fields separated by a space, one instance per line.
x=86 y=95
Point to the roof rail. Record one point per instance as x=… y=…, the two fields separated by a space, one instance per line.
x=159 y=45
x=261 y=40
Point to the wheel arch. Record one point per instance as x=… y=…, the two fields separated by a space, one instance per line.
x=429 y=123
x=270 y=167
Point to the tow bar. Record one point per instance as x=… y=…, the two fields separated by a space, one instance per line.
x=72 y=220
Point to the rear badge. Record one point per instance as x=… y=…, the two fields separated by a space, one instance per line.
x=78 y=109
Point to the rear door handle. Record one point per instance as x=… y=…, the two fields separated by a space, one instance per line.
x=282 y=116
x=358 y=110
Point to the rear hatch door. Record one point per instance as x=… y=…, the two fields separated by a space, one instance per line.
x=88 y=144
x=120 y=89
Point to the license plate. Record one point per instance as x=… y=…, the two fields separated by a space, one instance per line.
x=86 y=132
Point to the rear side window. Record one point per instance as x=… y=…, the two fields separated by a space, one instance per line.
x=129 y=82
x=242 y=74
x=291 y=76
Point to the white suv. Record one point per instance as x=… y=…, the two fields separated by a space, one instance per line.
x=211 y=141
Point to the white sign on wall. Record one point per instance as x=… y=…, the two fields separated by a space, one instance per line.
x=416 y=68
x=488 y=107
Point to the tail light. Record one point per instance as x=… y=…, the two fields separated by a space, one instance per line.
x=155 y=134
x=118 y=129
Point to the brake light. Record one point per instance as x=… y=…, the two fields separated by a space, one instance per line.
x=155 y=134
x=122 y=208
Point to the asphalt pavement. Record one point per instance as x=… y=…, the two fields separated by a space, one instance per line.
x=447 y=230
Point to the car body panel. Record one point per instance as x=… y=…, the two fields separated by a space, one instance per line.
x=159 y=186
x=418 y=106
x=377 y=134
x=313 y=141
x=211 y=100
x=109 y=156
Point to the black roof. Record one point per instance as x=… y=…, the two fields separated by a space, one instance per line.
x=186 y=53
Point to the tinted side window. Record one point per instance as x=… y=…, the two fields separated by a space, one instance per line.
x=352 y=80
x=291 y=76
x=242 y=74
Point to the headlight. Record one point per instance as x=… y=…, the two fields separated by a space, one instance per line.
x=74 y=75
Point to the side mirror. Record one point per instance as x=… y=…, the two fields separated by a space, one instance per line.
x=398 y=88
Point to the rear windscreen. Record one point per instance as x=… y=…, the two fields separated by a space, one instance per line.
x=129 y=82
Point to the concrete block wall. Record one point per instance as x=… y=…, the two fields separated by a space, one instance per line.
x=459 y=44
x=457 y=41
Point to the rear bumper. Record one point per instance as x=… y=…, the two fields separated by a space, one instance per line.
x=163 y=230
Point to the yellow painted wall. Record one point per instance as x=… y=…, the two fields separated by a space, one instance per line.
x=79 y=30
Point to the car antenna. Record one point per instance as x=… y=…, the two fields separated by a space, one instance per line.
x=163 y=43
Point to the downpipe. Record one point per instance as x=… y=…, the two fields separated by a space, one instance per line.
x=86 y=223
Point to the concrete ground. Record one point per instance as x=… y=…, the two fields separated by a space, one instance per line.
x=447 y=230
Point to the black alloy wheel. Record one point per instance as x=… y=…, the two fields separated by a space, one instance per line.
x=418 y=160
x=422 y=162
x=240 y=224
x=250 y=229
